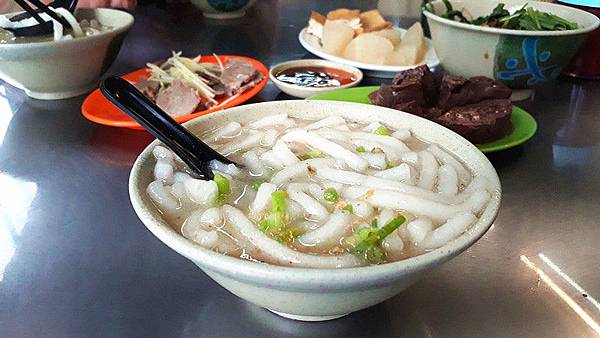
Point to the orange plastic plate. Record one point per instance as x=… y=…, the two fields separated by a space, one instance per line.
x=98 y=109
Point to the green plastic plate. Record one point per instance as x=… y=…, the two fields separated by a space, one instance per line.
x=524 y=125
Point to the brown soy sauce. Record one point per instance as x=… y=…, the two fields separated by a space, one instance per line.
x=315 y=76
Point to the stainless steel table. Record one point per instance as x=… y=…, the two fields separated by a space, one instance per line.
x=75 y=261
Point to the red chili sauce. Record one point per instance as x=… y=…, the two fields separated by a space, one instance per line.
x=315 y=76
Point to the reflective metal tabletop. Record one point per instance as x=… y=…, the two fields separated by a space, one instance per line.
x=75 y=261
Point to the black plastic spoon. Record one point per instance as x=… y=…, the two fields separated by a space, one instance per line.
x=195 y=153
x=44 y=27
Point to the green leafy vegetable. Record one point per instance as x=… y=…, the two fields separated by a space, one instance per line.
x=366 y=242
x=382 y=131
x=330 y=195
x=525 y=18
x=361 y=149
x=274 y=223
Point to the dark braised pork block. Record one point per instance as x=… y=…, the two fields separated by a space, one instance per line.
x=477 y=108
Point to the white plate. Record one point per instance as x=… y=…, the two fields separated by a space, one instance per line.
x=312 y=44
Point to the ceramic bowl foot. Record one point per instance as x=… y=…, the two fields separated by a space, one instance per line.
x=307 y=318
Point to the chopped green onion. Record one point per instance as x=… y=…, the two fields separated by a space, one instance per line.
x=361 y=149
x=258 y=183
x=382 y=131
x=391 y=164
x=311 y=154
x=274 y=222
x=366 y=243
x=223 y=186
x=330 y=195
x=348 y=208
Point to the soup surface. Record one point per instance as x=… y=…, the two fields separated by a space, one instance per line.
x=330 y=193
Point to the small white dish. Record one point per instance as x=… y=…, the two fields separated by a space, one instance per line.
x=304 y=92
x=312 y=44
x=316 y=294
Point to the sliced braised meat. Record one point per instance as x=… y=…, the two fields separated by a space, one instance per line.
x=178 y=99
x=149 y=88
x=237 y=73
x=481 y=122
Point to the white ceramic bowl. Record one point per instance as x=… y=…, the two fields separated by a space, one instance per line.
x=66 y=68
x=519 y=59
x=315 y=294
x=304 y=92
x=223 y=9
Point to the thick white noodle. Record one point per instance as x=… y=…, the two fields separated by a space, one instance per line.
x=202 y=192
x=269 y=121
x=269 y=138
x=371 y=127
x=254 y=165
x=410 y=158
x=162 y=153
x=376 y=160
x=231 y=129
x=263 y=198
x=287 y=174
x=163 y=170
x=271 y=160
x=453 y=228
x=326 y=122
x=400 y=173
x=212 y=217
x=330 y=148
x=447 y=180
x=271 y=251
x=284 y=153
x=463 y=174
x=362 y=184
x=161 y=196
x=311 y=206
x=362 y=209
x=250 y=141
x=422 y=207
x=229 y=169
x=381 y=139
x=392 y=154
x=332 y=134
x=328 y=234
x=385 y=216
x=429 y=168
x=418 y=229
x=393 y=243
x=77 y=31
x=402 y=134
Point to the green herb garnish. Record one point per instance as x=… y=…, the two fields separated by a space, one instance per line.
x=274 y=223
x=361 y=149
x=258 y=183
x=366 y=243
x=223 y=186
x=330 y=195
x=382 y=131
x=348 y=208
x=311 y=154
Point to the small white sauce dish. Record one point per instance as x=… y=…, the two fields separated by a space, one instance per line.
x=304 y=92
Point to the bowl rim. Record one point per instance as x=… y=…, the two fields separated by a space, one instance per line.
x=62 y=43
x=504 y=31
x=316 y=62
x=297 y=278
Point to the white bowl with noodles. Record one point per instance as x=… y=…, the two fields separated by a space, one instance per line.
x=304 y=92
x=50 y=70
x=307 y=293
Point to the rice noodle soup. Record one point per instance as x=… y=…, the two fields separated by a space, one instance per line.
x=329 y=193
x=78 y=29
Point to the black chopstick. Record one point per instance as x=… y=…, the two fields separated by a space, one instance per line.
x=51 y=13
x=30 y=10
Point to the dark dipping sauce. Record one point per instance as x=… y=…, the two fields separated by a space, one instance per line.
x=315 y=76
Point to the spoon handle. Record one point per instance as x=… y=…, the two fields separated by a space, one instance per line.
x=195 y=153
